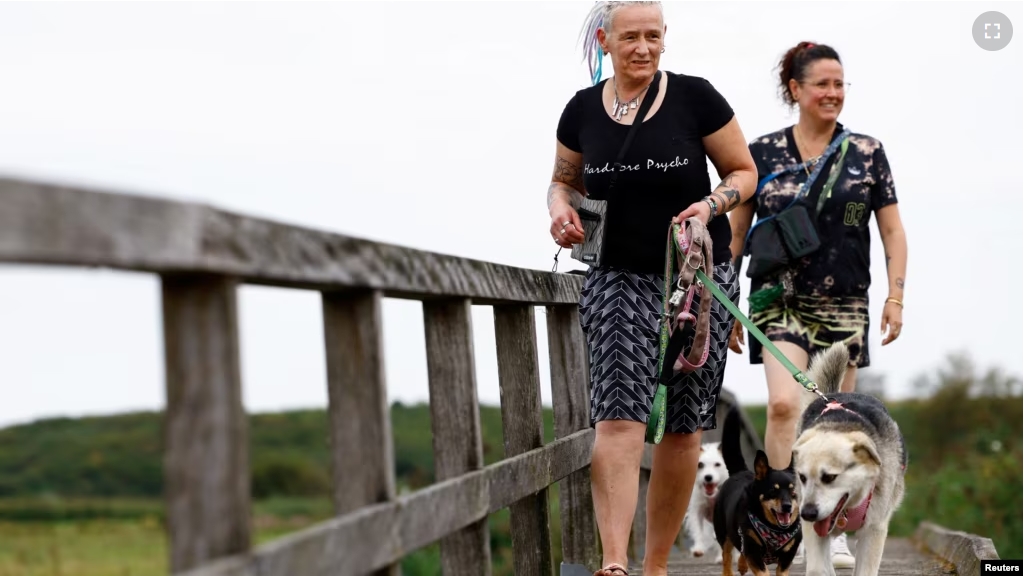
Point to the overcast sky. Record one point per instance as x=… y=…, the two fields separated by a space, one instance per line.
x=432 y=125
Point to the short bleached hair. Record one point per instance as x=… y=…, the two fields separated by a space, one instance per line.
x=600 y=17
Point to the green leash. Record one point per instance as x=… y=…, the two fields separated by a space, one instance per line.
x=656 y=422
x=799 y=376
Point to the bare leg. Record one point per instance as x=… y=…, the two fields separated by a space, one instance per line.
x=783 y=404
x=673 y=473
x=614 y=479
x=850 y=380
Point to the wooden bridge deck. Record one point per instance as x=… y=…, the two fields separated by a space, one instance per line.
x=902 y=558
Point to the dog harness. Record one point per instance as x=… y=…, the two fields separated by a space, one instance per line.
x=852 y=519
x=774 y=539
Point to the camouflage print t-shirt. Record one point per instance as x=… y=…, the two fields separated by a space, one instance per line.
x=841 y=266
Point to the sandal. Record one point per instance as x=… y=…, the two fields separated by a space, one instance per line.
x=612 y=570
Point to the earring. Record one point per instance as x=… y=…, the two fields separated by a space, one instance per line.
x=662 y=49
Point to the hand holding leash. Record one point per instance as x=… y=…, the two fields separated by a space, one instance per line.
x=701 y=210
x=736 y=337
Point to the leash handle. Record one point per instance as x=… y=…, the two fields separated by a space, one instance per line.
x=656 y=421
x=799 y=376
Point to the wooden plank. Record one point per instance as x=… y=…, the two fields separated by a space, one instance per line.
x=206 y=442
x=50 y=224
x=570 y=398
x=455 y=421
x=962 y=550
x=523 y=430
x=363 y=462
x=379 y=535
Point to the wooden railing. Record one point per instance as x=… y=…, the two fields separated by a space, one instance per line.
x=202 y=255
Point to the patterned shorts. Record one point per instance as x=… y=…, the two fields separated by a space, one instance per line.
x=619 y=314
x=814 y=323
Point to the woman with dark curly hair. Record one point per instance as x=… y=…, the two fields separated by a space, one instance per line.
x=818 y=184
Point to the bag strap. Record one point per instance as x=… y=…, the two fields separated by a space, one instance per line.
x=817 y=196
x=839 y=140
x=826 y=192
x=645 y=106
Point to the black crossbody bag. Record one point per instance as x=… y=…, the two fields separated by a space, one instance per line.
x=791 y=234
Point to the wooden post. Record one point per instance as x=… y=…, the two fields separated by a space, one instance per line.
x=455 y=421
x=206 y=452
x=570 y=396
x=362 y=452
x=522 y=423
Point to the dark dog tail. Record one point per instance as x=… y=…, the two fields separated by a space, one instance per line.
x=732 y=451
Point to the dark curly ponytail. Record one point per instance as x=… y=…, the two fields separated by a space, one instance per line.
x=794 y=65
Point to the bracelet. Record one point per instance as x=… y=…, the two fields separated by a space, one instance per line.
x=714 y=206
x=895 y=301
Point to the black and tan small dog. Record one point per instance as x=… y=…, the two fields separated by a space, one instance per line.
x=756 y=513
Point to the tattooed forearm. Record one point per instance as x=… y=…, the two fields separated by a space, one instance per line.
x=566 y=183
x=726 y=195
x=899 y=283
x=560 y=191
x=568 y=173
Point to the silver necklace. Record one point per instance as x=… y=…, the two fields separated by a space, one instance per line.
x=619 y=108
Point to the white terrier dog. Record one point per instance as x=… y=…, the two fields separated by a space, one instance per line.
x=711 y=472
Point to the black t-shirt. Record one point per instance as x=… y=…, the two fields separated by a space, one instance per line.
x=664 y=171
x=841 y=266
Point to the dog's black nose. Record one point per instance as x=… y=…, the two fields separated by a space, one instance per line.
x=809 y=512
x=708 y=478
x=787 y=507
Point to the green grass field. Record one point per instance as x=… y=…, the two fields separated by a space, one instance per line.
x=965 y=473
x=133 y=542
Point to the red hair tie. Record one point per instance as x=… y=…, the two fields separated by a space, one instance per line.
x=809 y=45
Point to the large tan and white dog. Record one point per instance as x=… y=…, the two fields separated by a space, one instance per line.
x=849 y=458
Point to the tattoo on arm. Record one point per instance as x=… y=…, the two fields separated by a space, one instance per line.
x=567 y=177
x=568 y=173
x=728 y=198
x=899 y=283
x=573 y=194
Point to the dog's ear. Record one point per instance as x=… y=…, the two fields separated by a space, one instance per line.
x=865 y=452
x=719 y=447
x=761 y=467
